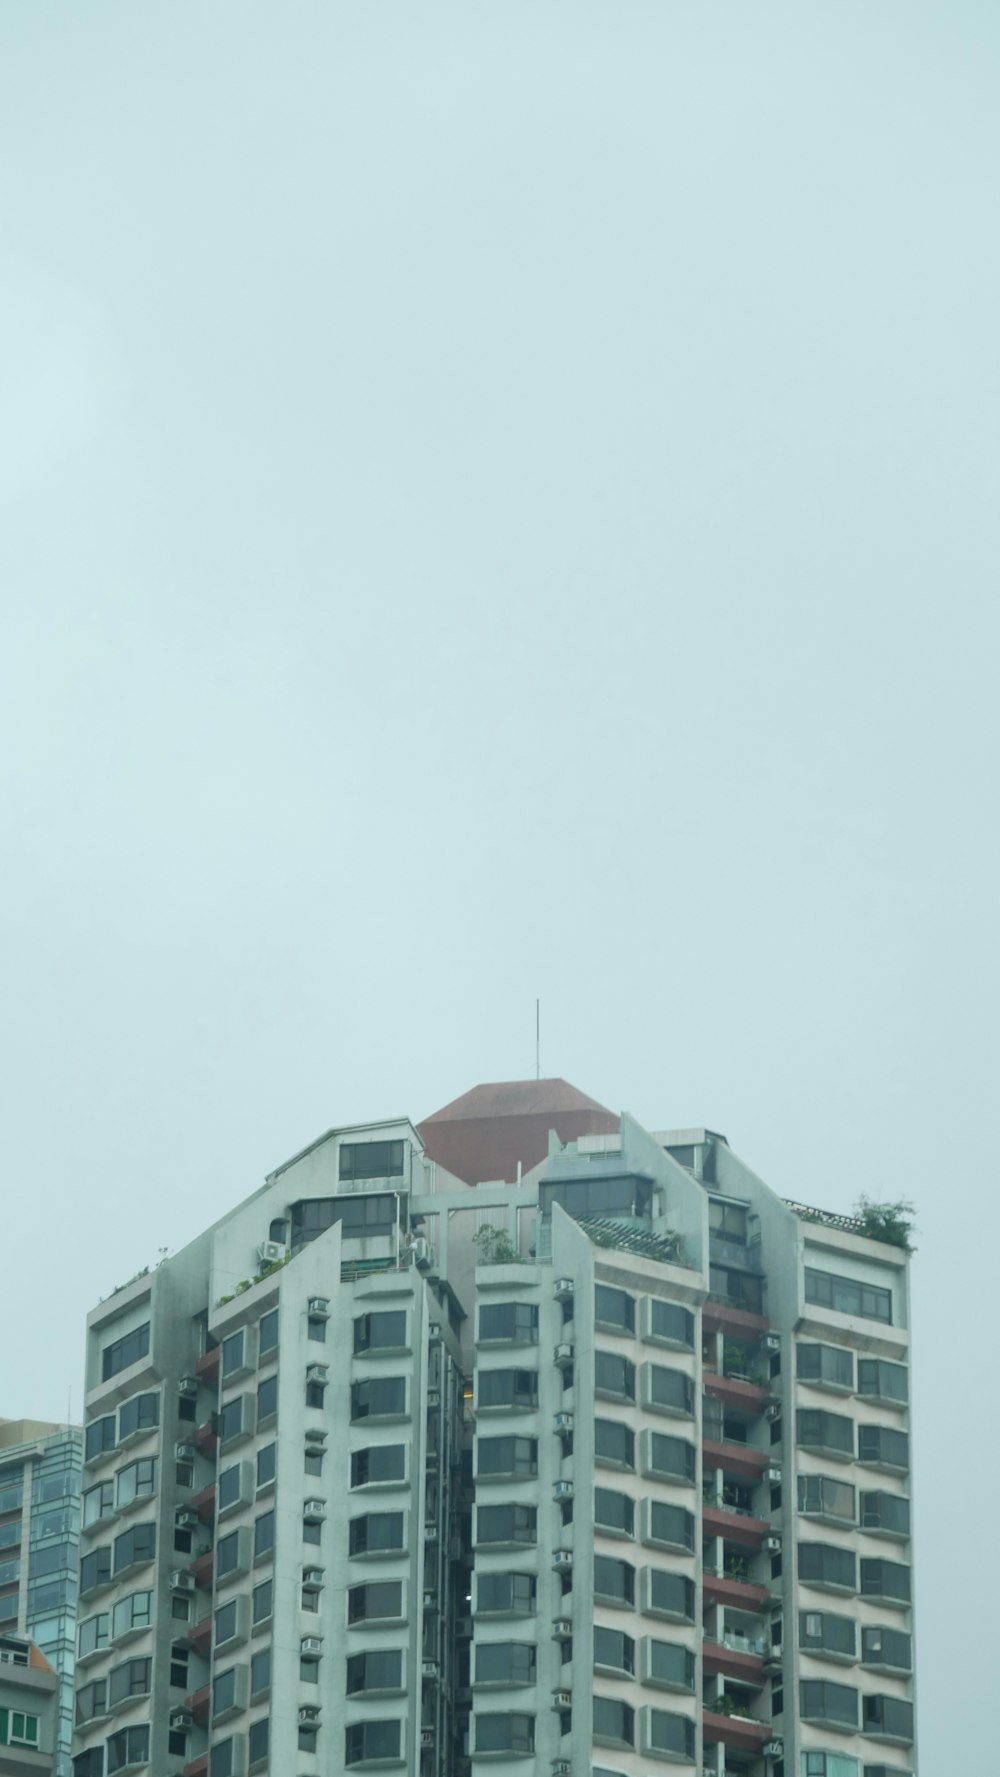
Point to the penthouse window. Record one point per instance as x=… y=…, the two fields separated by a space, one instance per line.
x=741 y=1289
x=371 y=1159
x=671 y=1323
x=125 y=1351
x=361 y=1217
x=846 y=1296
x=628 y=1197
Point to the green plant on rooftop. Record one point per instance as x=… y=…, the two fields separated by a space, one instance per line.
x=494 y=1247
x=891 y=1222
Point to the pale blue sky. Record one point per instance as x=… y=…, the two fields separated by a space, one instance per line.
x=497 y=501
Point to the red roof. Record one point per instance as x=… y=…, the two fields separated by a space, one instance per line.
x=487 y=1133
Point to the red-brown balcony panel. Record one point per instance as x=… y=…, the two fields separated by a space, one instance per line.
x=733 y=1662
x=206 y=1437
x=724 y=1316
x=207 y=1367
x=203 y=1567
x=200 y=1635
x=737 y=1393
x=197 y=1768
x=736 y=1527
x=736 y=1731
x=198 y=1703
x=204 y=1503
x=741 y=1594
x=735 y=1459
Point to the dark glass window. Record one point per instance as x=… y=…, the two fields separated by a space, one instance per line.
x=614 y=1443
x=502 y=1593
x=879 y=1444
x=233 y=1349
x=377 y=1670
x=137 y=1480
x=263 y=1601
x=614 y=1650
x=222 y=1759
x=741 y=1288
x=614 y=1375
x=887 y=1512
x=506 y=1524
x=89 y=1764
x=821 y=1700
x=505 y=1733
x=507 y=1456
x=260 y=1672
x=515 y=1322
x=130 y=1746
x=671 y=1733
x=670 y=1524
x=259 y=1740
x=266 y=1461
x=824 y=1565
x=369 y=1740
x=667 y=1320
x=376 y=1533
x=885 y=1381
x=100 y=1436
x=819 y=1430
x=614 y=1511
x=95 y=1569
x=820 y=1496
x=671 y=1665
x=360 y=1217
x=825 y=1363
x=380 y=1462
x=383 y=1330
x=371 y=1159
x=91 y=1701
x=728 y=1221
x=141 y=1413
x=671 y=1457
x=263 y=1535
x=125 y=1351
x=268 y=1339
x=231 y=1418
x=132 y=1679
x=614 y=1308
x=885 y=1579
x=614 y=1581
x=670 y=1389
x=380 y=1602
x=228 y=1489
x=381 y=1397
x=225 y=1623
x=224 y=1691
x=825 y=1631
x=267 y=1399
x=508 y=1388
x=887 y=1647
x=846 y=1296
x=227 y=1554
x=614 y=1720
x=134 y=1546
x=505 y=1662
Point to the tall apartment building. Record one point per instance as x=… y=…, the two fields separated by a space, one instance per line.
x=29 y=1710
x=40 y=1550
x=523 y=1440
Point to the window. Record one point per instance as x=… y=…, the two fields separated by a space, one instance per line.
x=671 y=1733
x=314 y=1461
x=379 y=1670
x=670 y=1595
x=233 y=1353
x=820 y=1496
x=728 y=1221
x=883 y=1448
x=670 y=1665
x=371 y=1159
x=505 y=1662
x=95 y=1570
x=670 y=1525
x=820 y=1700
x=515 y=1323
x=883 y=1381
x=821 y=1564
x=91 y=1701
x=259 y=1741
x=378 y=1464
x=179 y=1662
x=822 y=1631
x=885 y=1512
x=230 y=1488
x=505 y=1594
x=508 y=1388
x=100 y=1437
x=366 y=1741
x=233 y=1419
x=819 y=1430
x=228 y=1555
x=360 y=1217
x=669 y=1390
x=507 y=1456
x=614 y=1651
x=135 y=1546
x=383 y=1330
x=98 y=1503
x=222 y=1759
x=131 y=1614
x=614 y=1721
x=131 y=1679
x=93 y=1634
x=614 y=1443
x=514 y=1734
x=671 y=1323
x=89 y=1764
x=506 y=1524
x=225 y=1623
x=376 y=1533
x=829 y=1764
x=263 y=1536
x=125 y=1352
x=614 y=1511
x=885 y=1579
x=316 y=1328
x=845 y=1296
x=140 y=1414
x=267 y=1339
x=614 y=1375
x=614 y=1581
x=263 y=1601
x=829 y=1366
x=597 y=1197
x=137 y=1480
x=267 y=1399
x=614 y=1308
x=673 y=1458
x=130 y=1746
x=888 y=1648
x=378 y=1603
x=743 y=1289
x=382 y=1397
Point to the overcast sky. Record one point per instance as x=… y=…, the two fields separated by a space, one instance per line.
x=501 y=501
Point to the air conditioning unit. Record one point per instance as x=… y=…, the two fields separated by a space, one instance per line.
x=563 y=1422
x=562 y=1489
x=562 y=1559
x=314 y=1508
x=427 y=1736
x=430 y=1533
x=562 y=1289
x=319 y=1307
x=772 y=1342
x=182 y=1582
x=311 y=1645
x=185 y=1519
x=562 y=1628
x=772 y=1544
x=773 y=1410
x=188 y=1385
x=430 y=1668
x=317 y=1372
x=773 y=1748
x=312 y=1577
x=773 y=1476
x=270 y=1251
x=180 y=1720
x=308 y=1713
x=184 y=1452
x=562 y=1699
x=564 y=1352
x=421 y=1250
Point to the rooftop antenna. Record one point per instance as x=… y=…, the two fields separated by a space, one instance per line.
x=538 y=1034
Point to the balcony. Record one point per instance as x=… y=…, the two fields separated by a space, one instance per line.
x=740 y=1460
x=741 y=1733
x=737 y=1391
x=197 y=1768
x=202 y=1568
x=199 y=1635
x=204 y=1503
x=207 y=1367
x=726 y=1588
x=206 y=1437
x=198 y=1703
x=734 y=1524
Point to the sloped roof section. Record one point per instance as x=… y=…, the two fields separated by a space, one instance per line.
x=487 y=1133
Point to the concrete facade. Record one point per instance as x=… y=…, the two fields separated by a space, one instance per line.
x=29 y=1710
x=595 y=1472
x=39 y=1550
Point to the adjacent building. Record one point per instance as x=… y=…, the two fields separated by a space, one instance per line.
x=521 y=1440
x=40 y=1549
x=29 y=1710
